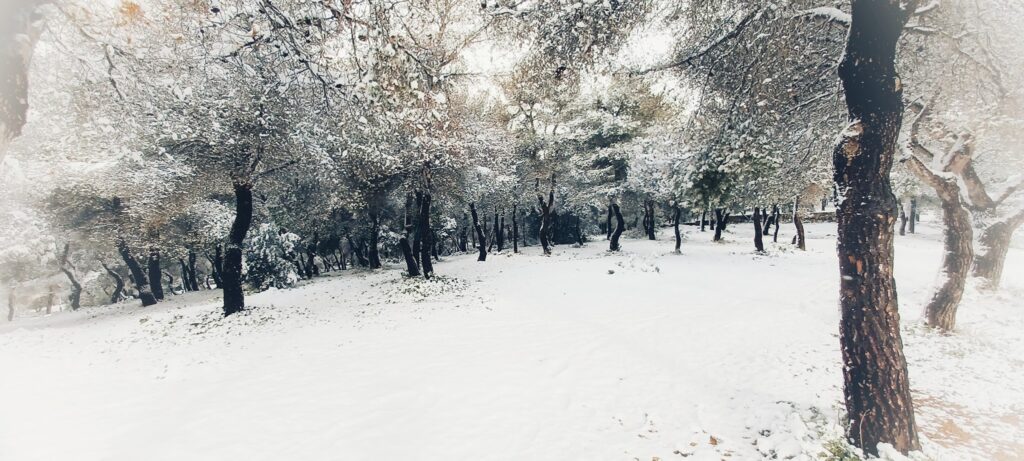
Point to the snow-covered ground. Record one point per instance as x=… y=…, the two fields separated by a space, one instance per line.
x=714 y=354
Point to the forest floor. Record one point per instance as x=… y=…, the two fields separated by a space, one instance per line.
x=718 y=353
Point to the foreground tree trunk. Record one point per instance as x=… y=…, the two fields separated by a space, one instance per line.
x=138 y=276
x=482 y=246
x=913 y=216
x=876 y=385
x=721 y=220
x=959 y=237
x=758 y=235
x=776 y=216
x=412 y=269
x=231 y=272
x=995 y=243
x=154 y=272
x=620 y=227
x=675 y=227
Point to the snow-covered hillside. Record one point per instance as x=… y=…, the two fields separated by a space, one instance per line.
x=714 y=354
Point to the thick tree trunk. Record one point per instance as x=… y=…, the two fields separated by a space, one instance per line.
x=412 y=269
x=515 y=228
x=876 y=385
x=426 y=237
x=675 y=227
x=118 y=293
x=231 y=271
x=995 y=243
x=650 y=221
x=479 y=234
x=620 y=227
x=155 y=277
x=138 y=276
x=758 y=232
x=800 y=238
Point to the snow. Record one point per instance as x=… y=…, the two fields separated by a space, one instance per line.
x=717 y=353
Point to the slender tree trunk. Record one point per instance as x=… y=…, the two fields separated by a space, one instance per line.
x=216 y=263
x=153 y=267
x=776 y=216
x=903 y=220
x=193 y=280
x=426 y=237
x=703 y=219
x=913 y=216
x=373 y=253
x=620 y=227
x=412 y=269
x=118 y=293
x=675 y=226
x=231 y=271
x=608 y=223
x=311 y=267
x=800 y=237
x=758 y=232
x=995 y=243
x=650 y=221
x=170 y=282
x=75 y=299
x=876 y=385
x=501 y=234
x=138 y=276
x=545 y=219
x=479 y=234
x=515 y=228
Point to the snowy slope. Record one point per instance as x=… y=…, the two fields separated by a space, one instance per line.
x=714 y=354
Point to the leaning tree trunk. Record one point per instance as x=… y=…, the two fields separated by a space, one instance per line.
x=155 y=274
x=758 y=235
x=75 y=299
x=515 y=228
x=995 y=242
x=118 y=294
x=479 y=234
x=675 y=227
x=231 y=272
x=426 y=237
x=800 y=239
x=959 y=238
x=620 y=227
x=138 y=276
x=876 y=385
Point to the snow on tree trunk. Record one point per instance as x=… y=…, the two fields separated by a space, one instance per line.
x=231 y=272
x=118 y=293
x=995 y=243
x=876 y=385
x=138 y=276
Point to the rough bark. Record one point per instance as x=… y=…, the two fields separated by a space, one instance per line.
x=758 y=232
x=481 y=245
x=620 y=227
x=876 y=385
x=958 y=240
x=138 y=276
x=995 y=243
x=231 y=271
